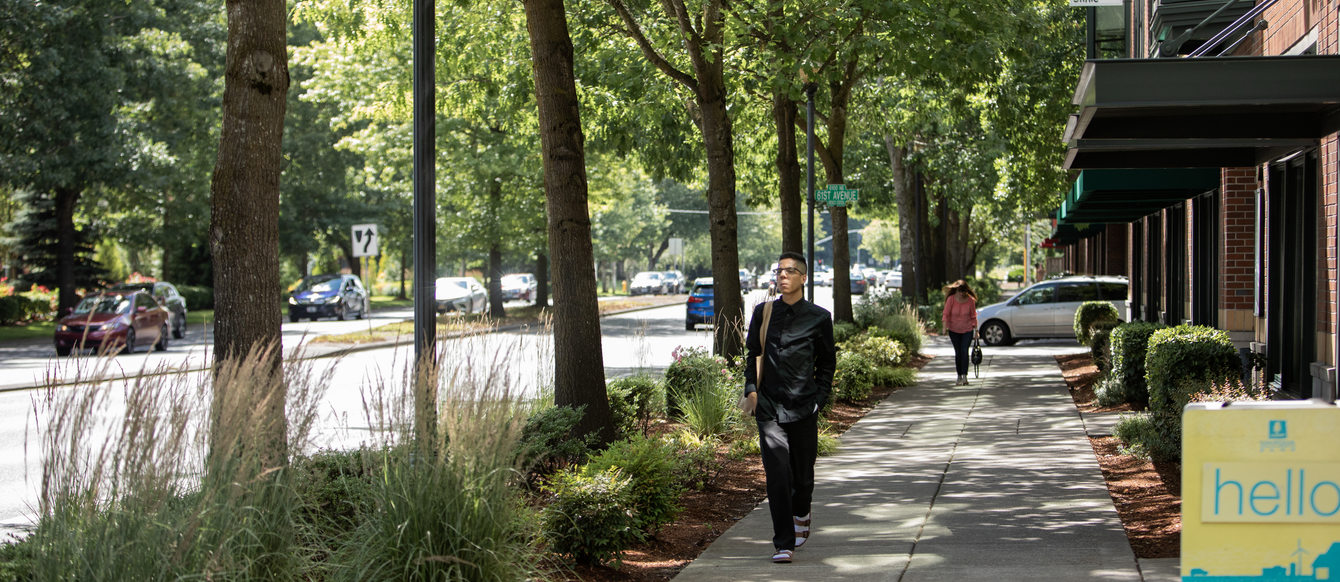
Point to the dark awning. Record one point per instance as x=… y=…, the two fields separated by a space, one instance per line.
x=1117 y=196
x=1201 y=112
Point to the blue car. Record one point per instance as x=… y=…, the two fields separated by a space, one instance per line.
x=699 y=309
x=337 y=296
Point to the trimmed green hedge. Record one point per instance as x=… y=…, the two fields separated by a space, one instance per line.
x=1100 y=344
x=1089 y=314
x=1129 y=341
x=18 y=308
x=1186 y=352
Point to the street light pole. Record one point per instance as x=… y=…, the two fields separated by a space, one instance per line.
x=425 y=221
x=809 y=182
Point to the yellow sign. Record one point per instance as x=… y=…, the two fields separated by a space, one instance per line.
x=1261 y=491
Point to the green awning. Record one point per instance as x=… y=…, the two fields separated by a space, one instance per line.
x=1201 y=112
x=1119 y=196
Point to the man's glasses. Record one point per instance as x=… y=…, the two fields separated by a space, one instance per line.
x=788 y=271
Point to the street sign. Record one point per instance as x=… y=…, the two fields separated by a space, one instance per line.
x=676 y=247
x=1088 y=3
x=835 y=195
x=365 y=240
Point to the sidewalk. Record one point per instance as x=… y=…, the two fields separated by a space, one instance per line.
x=994 y=481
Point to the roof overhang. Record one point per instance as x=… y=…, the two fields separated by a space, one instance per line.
x=1201 y=112
x=1120 y=196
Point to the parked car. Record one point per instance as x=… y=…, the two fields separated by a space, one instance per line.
x=823 y=277
x=1047 y=309
x=337 y=295
x=166 y=294
x=859 y=283
x=114 y=320
x=746 y=280
x=674 y=281
x=518 y=286
x=647 y=283
x=892 y=279
x=462 y=295
x=699 y=308
x=767 y=280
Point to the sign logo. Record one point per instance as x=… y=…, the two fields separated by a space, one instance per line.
x=1279 y=429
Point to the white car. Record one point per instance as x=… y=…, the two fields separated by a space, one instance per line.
x=1047 y=309
x=461 y=294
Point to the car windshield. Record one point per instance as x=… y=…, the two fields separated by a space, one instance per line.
x=514 y=279
x=320 y=284
x=457 y=283
x=647 y=277
x=103 y=304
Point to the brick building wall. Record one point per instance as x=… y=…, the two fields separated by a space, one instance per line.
x=1237 y=259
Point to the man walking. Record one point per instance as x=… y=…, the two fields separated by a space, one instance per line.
x=798 y=362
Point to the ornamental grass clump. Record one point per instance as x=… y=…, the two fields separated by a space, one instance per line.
x=143 y=480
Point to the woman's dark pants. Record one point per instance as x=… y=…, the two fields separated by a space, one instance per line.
x=789 y=450
x=962 y=344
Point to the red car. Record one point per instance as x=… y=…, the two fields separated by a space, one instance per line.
x=116 y=320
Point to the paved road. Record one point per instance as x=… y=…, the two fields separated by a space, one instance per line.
x=519 y=360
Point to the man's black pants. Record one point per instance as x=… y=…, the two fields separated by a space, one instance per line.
x=789 y=450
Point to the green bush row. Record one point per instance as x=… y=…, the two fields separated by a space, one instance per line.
x=197 y=298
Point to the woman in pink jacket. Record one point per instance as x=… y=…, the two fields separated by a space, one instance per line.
x=960 y=319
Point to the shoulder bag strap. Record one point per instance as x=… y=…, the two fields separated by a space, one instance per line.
x=763 y=342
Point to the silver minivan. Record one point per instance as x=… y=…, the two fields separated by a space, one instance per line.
x=1047 y=309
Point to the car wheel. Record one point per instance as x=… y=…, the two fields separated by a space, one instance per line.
x=362 y=311
x=179 y=327
x=690 y=326
x=339 y=312
x=62 y=351
x=996 y=333
x=129 y=347
x=162 y=343
x=293 y=318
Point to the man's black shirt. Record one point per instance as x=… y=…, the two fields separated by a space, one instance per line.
x=799 y=362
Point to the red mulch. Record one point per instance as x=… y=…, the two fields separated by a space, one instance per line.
x=1147 y=495
x=709 y=513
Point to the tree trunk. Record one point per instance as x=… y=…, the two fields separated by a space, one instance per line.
x=655 y=256
x=66 y=199
x=244 y=226
x=784 y=114
x=579 y=369
x=347 y=249
x=724 y=229
x=542 y=279
x=904 y=190
x=831 y=156
x=404 y=262
x=496 y=309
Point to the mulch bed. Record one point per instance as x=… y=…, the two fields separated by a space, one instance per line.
x=1147 y=494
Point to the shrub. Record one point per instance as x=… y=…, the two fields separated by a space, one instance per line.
x=1129 y=342
x=197 y=297
x=634 y=401
x=697 y=459
x=853 y=380
x=878 y=351
x=334 y=489
x=1195 y=353
x=986 y=288
x=692 y=371
x=1143 y=435
x=654 y=469
x=894 y=377
x=547 y=443
x=588 y=517
x=843 y=331
x=1090 y=313
x=903 y=327
x=875 y=306
x=1110 y=391
x=13 y=309
x=1015 y=275
x=1100 y=344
